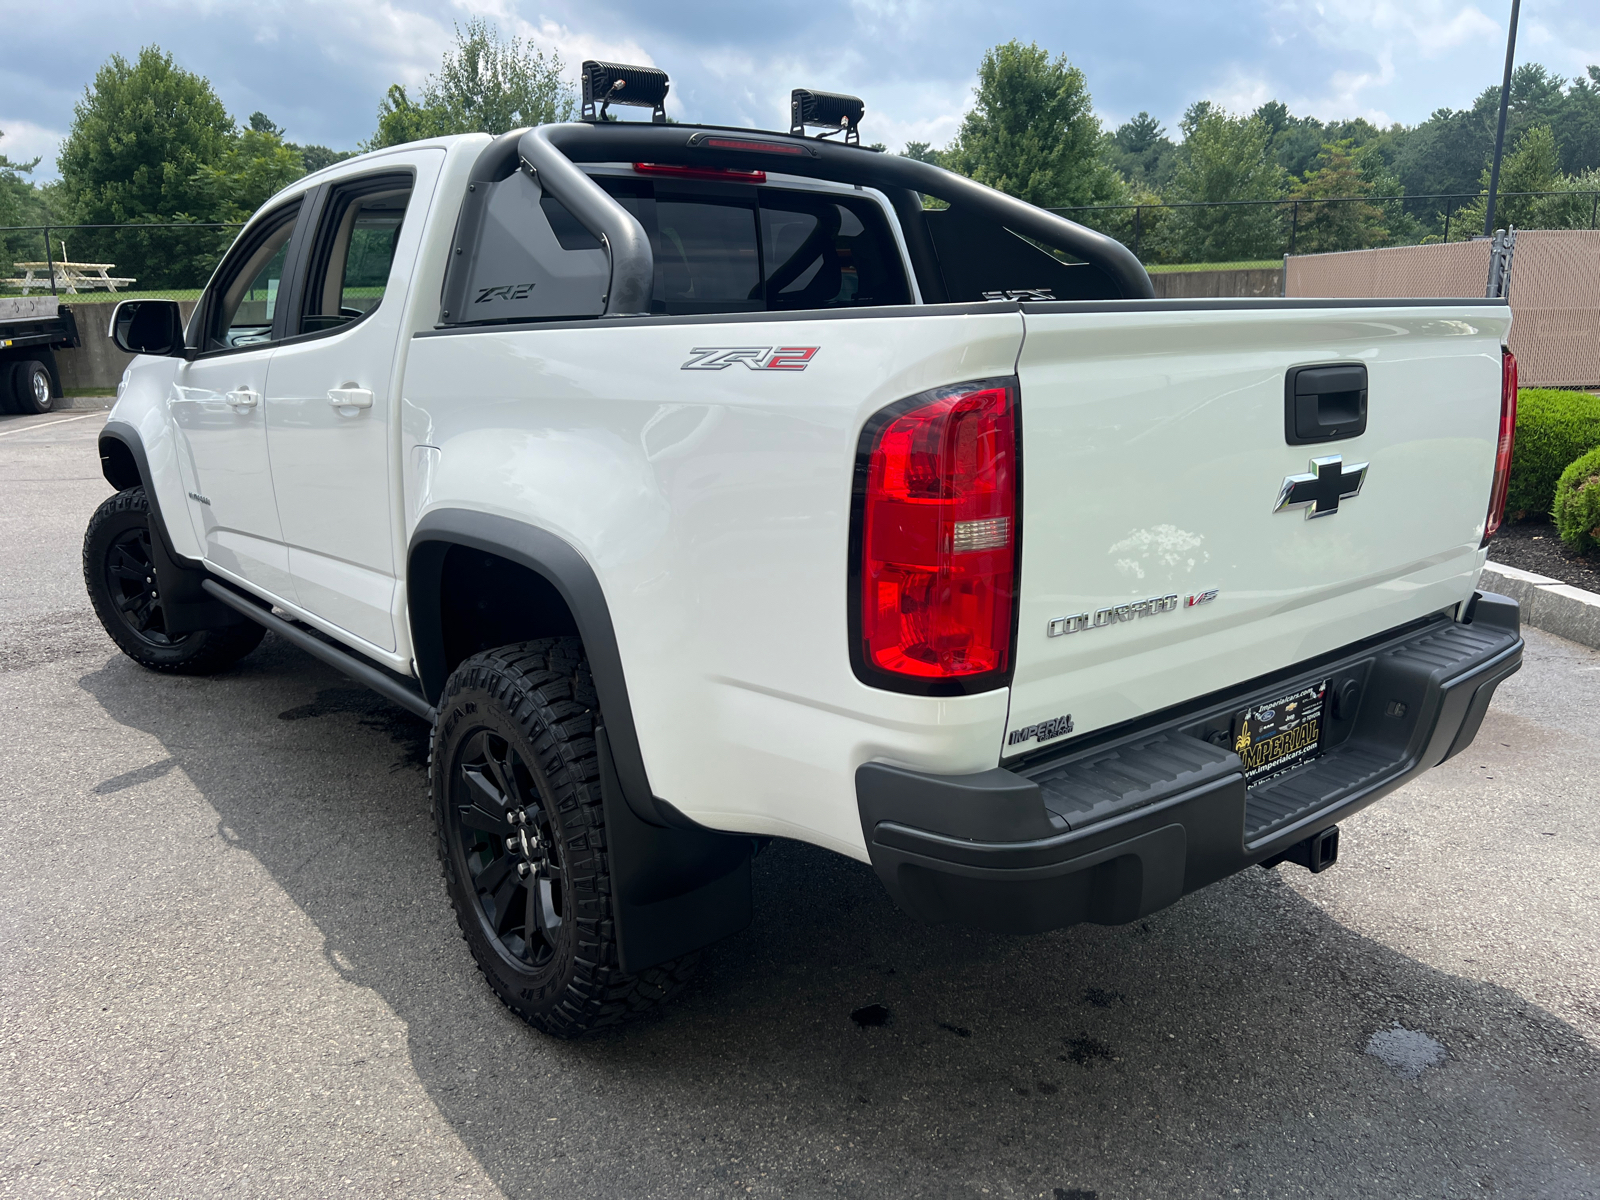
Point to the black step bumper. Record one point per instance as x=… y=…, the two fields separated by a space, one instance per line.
x=1111 y=827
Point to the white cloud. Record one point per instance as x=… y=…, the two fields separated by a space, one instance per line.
x=1430 y=27
x=25 y=140
x=1240 y=92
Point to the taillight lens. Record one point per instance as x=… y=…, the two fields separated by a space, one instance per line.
x=1508 y=439
x=937 y=539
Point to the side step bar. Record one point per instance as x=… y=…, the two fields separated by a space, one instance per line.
x=385 y=685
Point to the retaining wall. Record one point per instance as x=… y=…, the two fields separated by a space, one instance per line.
x=97 y=365
x=1172 y=285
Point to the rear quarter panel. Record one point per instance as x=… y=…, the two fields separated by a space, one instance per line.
x=714 y=509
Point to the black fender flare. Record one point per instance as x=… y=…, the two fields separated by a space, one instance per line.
x=678 y=885
x=558 y=562
x=188 y=607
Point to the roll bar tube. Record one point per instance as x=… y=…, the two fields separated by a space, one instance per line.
x=554 y=150
x=633 y=267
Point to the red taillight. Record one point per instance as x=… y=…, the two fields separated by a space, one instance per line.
x=938 y=538
x=1508 y=439
x=719 y=174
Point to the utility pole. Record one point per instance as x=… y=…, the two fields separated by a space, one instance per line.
x=1500 y=131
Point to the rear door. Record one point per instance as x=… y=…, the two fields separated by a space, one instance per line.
x=332 y=418
x=1157 y=563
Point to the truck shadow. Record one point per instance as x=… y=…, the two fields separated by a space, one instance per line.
x=1219 y=1044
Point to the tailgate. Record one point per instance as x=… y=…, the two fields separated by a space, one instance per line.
x=1155 y=568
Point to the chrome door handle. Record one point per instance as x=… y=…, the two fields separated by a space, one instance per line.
x=350 y=397
x=242 y=397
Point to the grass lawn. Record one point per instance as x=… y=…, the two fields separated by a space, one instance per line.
x=1258 y=265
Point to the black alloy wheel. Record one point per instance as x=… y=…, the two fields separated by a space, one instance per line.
x=131 y=581
x=120 y=575
x=515 y=774
x=501 y=829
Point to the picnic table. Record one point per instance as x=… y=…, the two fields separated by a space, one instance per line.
x=68 y=277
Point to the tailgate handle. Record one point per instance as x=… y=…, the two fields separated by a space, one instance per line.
x=1324 y=403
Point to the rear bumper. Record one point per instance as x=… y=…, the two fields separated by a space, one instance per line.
x=1126 y=824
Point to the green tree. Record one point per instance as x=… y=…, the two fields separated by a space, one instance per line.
x=486 y=84
x=1141 y=151
x=255 y=166
x=1032 y=131
x=138 y=138
x=923 y=152
x=317 y=157
x=1578 y=131
x=134 y=153
x=1336 y=224
x=1534 y=166
x=17 y=207
x=312 y=158
x=1226 y=157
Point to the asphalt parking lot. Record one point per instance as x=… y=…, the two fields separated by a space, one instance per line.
x=227 y=966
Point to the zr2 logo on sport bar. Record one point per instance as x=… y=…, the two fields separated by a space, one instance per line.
x=757 y=358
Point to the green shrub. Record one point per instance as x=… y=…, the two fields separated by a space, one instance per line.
x=1553 y=428
x=1578 y=504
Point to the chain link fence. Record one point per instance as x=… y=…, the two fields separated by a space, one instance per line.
x=102 y=263
x=1554 y=292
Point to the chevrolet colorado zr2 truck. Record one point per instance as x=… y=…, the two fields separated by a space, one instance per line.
x=703 y=486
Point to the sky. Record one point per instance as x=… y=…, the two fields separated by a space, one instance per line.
x=319 y=67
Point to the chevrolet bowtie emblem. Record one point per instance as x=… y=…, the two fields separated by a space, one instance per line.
x=1320 y=491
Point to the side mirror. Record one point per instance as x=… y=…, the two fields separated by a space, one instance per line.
x=148 y=327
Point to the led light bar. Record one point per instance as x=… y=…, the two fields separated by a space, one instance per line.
x=826 y=110
x=605 y=84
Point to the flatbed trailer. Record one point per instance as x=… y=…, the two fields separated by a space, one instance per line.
x=32 y=329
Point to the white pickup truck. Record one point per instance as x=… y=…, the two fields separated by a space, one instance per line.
x=701 y=487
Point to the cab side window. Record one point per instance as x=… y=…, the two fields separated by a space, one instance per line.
x=354 y=251
x=244 y=306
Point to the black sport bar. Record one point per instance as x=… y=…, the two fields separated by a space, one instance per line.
x=553 y=150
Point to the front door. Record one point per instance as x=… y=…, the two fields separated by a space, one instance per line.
x=331 y=425
x=219 y=405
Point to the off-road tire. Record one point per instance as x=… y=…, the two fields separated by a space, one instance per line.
x=117 y=571
x=515 y=735
x=31 y=389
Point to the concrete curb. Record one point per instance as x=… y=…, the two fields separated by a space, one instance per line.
x=1547 y=604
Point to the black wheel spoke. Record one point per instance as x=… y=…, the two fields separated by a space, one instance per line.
x=130 y=583
x=502 y=902
x=508 y=847
x=485 y=812
x=491 y=877
x=548 y=919
x=504 y=776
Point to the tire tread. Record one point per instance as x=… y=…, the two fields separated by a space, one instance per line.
x=545 y=687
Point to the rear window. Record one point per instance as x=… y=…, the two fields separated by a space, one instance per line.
x=719 y=248
x=758 y=249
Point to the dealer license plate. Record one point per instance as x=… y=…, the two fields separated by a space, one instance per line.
x=1281 y=733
